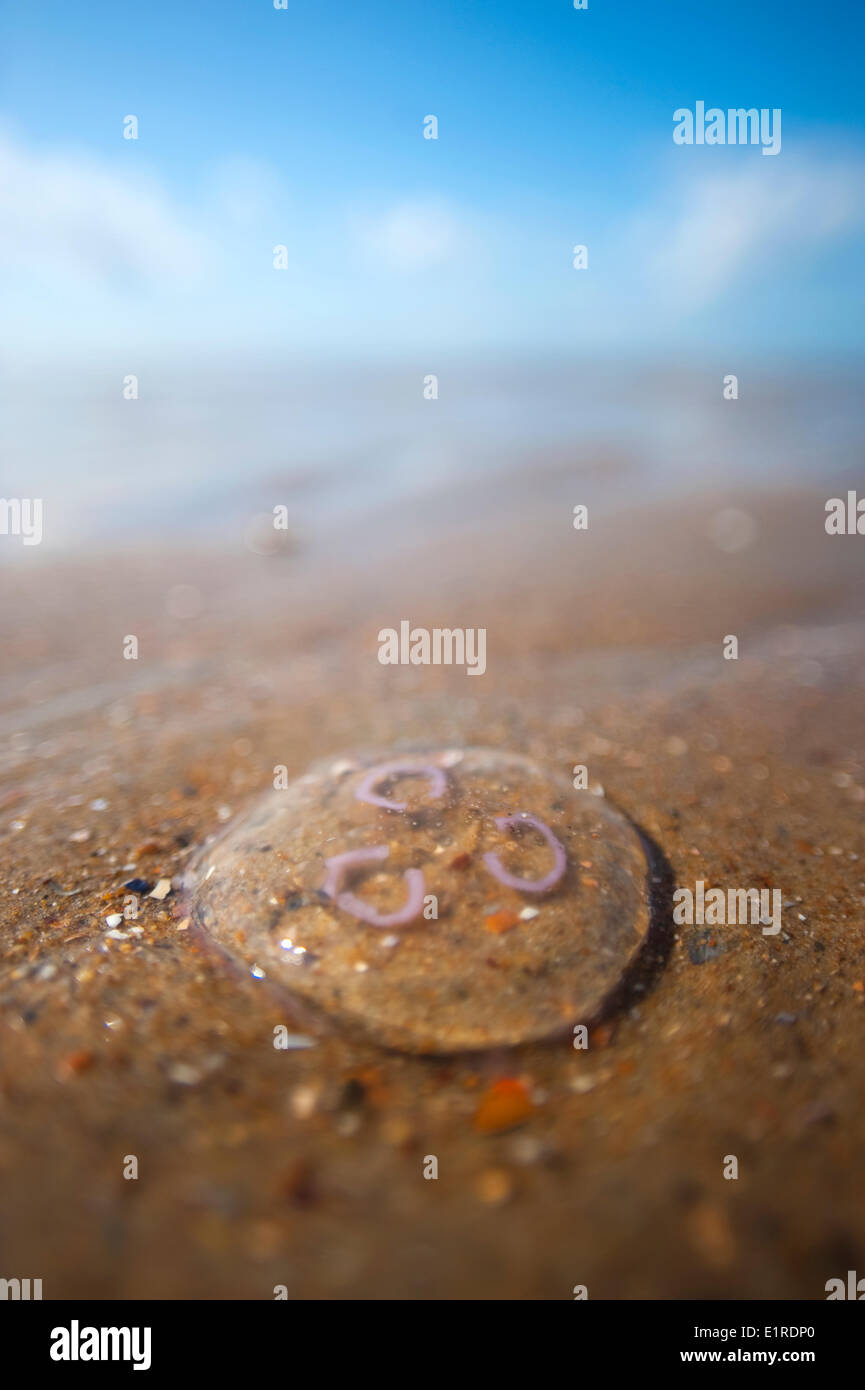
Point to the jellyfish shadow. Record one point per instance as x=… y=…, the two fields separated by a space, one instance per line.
x=644 y=971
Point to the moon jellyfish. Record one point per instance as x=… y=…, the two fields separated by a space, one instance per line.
x=442 y=901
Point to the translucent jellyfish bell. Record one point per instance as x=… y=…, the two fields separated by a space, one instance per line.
x=440 y=901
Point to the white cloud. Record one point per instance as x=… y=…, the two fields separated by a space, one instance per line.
x=723 y=225
x=246 y=193
x=64 y=213
x=414 y=235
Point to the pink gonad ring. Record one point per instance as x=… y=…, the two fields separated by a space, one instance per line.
x=343 y=864
x=528 y=885
x=376 y=775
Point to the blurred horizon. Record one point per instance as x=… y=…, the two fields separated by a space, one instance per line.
x=208 y=448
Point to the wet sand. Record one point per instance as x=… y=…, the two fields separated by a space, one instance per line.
x=305 y=1168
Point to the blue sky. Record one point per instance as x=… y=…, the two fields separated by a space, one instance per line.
x=303 y=127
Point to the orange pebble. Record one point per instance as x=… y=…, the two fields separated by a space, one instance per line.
x=501 y=921
x=75 y=1063
x=504 y=1106
x=602 y=1035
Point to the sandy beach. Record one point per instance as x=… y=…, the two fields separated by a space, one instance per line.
x=304 y=1167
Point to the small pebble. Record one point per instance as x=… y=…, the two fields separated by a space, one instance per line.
x=526 y=1149
x=582 y=1084
x=75 y=1063
x=504 y=1106
x=183 y=1074
x=711 y=1234
x=501 y=921
x=494 y=1187
x=397 y=1131
x=303 y=1102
